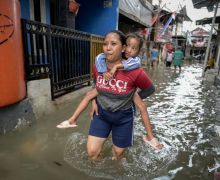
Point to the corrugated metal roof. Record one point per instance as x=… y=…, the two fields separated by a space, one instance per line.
x=207 y=21
x=204 y=3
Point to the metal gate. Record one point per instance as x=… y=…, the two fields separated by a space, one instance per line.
x=61 y=54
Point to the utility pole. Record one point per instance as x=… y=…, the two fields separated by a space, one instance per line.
x=158 y=31
x=157 y=22
x=210 y=38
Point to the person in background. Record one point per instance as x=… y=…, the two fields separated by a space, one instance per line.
x=178 y=58
x=211 y=64
x=164 y=54
x=154 y=54
x=169 y=58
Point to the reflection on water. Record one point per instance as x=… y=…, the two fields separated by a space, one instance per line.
x=140 y=159
x=183 y=116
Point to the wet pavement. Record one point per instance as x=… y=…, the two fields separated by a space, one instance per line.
x=184 y=113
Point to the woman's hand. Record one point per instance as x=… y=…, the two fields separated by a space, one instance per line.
x=113 y=70
x=94 y=109
x=107 y=76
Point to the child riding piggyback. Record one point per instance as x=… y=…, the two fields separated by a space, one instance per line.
x=131 y=61
x=133 y=46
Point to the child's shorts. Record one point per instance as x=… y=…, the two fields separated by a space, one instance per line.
x=119 y=122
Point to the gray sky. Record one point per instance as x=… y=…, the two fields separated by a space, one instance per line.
x=194 y=14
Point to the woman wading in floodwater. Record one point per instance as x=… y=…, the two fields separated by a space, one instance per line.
x=115 y=101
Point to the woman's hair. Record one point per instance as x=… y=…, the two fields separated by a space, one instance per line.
x=120 y=34
x=136 y=36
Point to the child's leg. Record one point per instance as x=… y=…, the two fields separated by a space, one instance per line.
x=150 y=139
x=144 y=114
x=83 y=104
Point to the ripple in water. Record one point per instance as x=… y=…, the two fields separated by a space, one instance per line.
x=140 y=160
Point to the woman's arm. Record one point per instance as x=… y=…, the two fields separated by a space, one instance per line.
x=94 y=109
x=144 y=93
x=144 y=83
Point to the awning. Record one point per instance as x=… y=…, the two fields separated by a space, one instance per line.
x=137 y=11
x=179 y=37
x=134 y=18
x=207 y=21
x=204 y=3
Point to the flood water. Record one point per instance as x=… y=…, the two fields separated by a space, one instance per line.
x=183 y=115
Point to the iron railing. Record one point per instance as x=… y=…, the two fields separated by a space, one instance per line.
x=96 y=48
x=36 y=39
x=64 y=55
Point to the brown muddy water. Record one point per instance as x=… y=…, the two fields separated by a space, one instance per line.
x=183 y=115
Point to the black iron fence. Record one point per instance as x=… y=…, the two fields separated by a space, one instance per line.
x=61 y=54
x=37 y=47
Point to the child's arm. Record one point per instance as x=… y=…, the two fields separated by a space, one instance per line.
x=82 y=106
x=102 y=67
x=129 y=64
x=100 y=63
x=144 y=114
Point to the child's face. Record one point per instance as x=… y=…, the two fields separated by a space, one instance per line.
x=132 y=47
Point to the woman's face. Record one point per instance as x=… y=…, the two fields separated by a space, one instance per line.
x=113 y=47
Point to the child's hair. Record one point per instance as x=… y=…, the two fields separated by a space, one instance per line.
x=136 y=36
x=120 y=34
